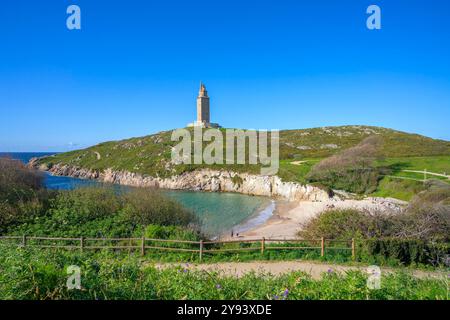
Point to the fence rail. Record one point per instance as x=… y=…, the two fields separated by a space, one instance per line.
x=425 y=174
x=145 y=244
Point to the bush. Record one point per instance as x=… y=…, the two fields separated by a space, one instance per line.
x=149 y=206
x=403 y=251
x=81 y=205
x=17 y=182
x=344 y=224
x=155 y=231
x=420 y=234
x=427 y=216
x=21 y=194
x=101 y=212
x=352 y=169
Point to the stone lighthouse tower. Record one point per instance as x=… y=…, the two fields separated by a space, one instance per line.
x=203 y=106
x=203 y=117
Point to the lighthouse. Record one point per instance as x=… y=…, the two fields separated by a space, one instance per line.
x=203 y=114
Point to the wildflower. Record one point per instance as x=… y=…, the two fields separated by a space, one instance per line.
x=185 y=268
x=275 y=297
x=330 y=270
x=218 y=286
x=286 y=292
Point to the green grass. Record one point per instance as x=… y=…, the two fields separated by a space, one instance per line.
x=438 y=164
x=151 y=155
x=435 y=164
x=399 y=189
x=296 y=172
x=405 y=189
x=402 y=189
x=35 y=274
x=325 y=141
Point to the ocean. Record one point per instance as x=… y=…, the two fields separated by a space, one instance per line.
x=218 y=212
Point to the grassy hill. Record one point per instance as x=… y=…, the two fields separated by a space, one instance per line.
x=151 y=155
x=324 y=141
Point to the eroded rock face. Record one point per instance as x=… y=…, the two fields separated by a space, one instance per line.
x=199 y=180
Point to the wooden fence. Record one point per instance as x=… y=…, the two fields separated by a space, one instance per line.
x=201 y=247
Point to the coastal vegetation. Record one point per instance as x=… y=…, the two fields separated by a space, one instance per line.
x=419 y=234
x=28 y=208
x=39 y=274
x=300 y=152
x=427 y=217
x=106 y=213
x=36 y=273
x=352 y=169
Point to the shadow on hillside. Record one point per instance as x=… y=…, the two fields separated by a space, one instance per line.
x=397 y=167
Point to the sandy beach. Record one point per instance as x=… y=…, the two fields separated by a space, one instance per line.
x=288 y=216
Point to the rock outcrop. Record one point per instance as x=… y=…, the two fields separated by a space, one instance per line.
x=199 y=180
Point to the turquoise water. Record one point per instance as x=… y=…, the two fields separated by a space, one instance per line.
x=218 y=212
x=221 y=212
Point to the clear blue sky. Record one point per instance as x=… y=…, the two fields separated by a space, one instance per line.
x=135 y=67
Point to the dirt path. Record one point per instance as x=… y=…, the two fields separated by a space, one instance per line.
x=298 y=163
x=316 y=270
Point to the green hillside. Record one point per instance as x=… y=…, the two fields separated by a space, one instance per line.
x=322 y=142
x=151 y=155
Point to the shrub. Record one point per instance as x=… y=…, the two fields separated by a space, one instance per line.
x=149 y=206
x=101 y=212
x=419 y=234
x=17 y=182
x=21 y=194
x=344 y=224
x=403 y=251
x=84 y=204
x=352 y=169
x=155 y=231
x=427 y=216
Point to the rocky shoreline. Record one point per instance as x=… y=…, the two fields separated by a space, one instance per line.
x=199 y=180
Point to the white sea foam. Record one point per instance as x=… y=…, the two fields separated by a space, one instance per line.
x=256 y=220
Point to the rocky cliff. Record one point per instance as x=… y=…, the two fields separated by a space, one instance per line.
x=199 y=180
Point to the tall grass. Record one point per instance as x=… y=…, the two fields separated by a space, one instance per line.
x=33 y=274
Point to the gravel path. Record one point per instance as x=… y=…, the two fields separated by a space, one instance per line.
x=316 y=270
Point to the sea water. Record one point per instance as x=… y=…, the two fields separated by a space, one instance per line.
x=218 y=212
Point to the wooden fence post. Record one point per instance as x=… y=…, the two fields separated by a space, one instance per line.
x=353 y=249
x=263 y=243
x=24 y=241
x=201 y=250
x=81 y=244
x=322 y=247
x=143 y=246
